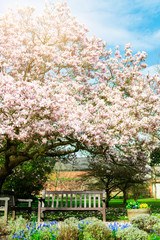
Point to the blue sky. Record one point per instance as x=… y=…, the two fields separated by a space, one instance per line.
x=116 y=21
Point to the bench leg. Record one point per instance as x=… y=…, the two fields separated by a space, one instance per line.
x=6 y=210
x=104 y=215
x=29 y=212
x=14 y=214
x=39 y=213
x=104 y=207
x=42 y=215
x=6 y=215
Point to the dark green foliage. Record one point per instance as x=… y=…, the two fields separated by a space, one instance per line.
x=133 y=205
x=113 y=177
x=29 y=177
x=155 y=157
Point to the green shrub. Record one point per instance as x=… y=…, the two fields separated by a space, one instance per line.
x=24 y=175
x=145 y=222
x=89 y=220
x=131 y=234
x=43 y=234
x=68 y=232
x=156 y=228
x=154 y=236
x=32 y=231
x=97 y=231
x=17 y=225
x=71 y=220
x=3 y=226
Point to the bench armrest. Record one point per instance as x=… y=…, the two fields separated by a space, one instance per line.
x=5 y=207
x=4 y=198
x=25 y=200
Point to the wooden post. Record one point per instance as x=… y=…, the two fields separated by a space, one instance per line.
x=62 y=200
x=6 y=209
x=80 y=201
x=104 y=205
x=39 y=209
x=57 y=202
x=66 y=200
x=99 y=201
x=14 y=214
x=52 y=201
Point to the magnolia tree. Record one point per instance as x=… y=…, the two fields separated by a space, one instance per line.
x=61 y=90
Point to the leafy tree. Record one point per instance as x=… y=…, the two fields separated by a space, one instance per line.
x=29 y=178
x=140 y=190
x=120 y=177
x=155 y=157
x=61 y=90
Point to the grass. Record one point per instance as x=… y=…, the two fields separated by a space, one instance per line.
x=115 y=212
x=150 y=201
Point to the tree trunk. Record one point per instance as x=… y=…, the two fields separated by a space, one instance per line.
x=108 y=198
x=4 y=173
x=2 y=179
x=10 y=163
x=125 y=196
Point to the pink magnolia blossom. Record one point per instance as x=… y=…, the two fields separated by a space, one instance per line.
x=57 y=81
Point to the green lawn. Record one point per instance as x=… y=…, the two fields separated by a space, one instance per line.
x=150 y=201
x=115 y=212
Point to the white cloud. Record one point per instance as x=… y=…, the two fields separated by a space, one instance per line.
x=118 y=22
x=115 y=21
x=152 y=70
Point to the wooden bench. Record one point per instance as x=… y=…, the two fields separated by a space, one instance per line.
x=4 y=207
x=13 y=203
x=71 y=201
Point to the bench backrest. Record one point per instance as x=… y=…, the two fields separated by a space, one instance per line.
x=11 y=195
x=73 y=199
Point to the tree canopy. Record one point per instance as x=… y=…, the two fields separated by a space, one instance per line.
x=61 y=90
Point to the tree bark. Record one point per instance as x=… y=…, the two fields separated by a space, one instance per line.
x=14 y=154
x=10 y=163
x=108 y=198
x=125 y=196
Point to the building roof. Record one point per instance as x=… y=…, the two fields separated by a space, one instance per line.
x=80 y=164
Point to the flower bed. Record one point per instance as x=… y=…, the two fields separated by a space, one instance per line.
x=71 y=229
x=142 y=228
x=137 y=205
